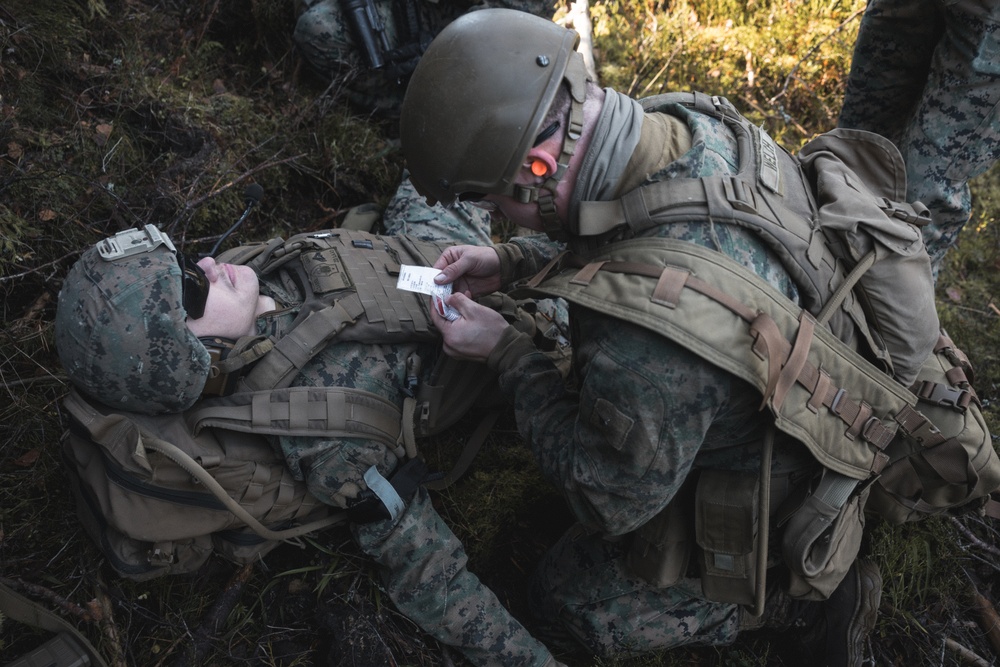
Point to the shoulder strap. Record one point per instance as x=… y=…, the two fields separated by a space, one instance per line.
x=723 y=312
x=333 y=412
x=277 y=368
x=350 y=279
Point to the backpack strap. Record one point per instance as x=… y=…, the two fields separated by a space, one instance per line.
x=278 y=367
x=799 y=367
x=332 y=412
x=992 y=507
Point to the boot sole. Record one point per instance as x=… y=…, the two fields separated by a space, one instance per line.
x=866 y=612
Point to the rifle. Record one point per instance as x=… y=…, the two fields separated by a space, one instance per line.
x=368 y=29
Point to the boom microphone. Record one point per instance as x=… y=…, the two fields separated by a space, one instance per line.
x=251 y=196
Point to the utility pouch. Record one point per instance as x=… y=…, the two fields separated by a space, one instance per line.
x=822 y=536
x=661 y=548
x=727 y=512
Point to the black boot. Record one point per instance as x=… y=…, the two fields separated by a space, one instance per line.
x=850 y=615
x=830 y=633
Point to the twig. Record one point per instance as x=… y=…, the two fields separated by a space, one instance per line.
x=791 y=74
x=966 y=655
x=35 y=311
x=976 y=542
x=784 y=116
x=48 y=379
x=51 y=596
x=108 y=625
x=236 y=181
x=214 y=619
x=204 y=27
x=4 y=279
x=988 y=619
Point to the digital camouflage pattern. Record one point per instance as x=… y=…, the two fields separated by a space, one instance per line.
x=121 y=337
x=423 y=564
x=408 y=213
x=926 y=75
x=643 y=415
x=326 y=41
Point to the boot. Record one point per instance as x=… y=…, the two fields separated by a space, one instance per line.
x=830 y=633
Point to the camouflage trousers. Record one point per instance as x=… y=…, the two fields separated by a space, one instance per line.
x=926 y=74
x=582 y=587
x=424 y=572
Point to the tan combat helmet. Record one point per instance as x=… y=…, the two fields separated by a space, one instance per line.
x=477 y=100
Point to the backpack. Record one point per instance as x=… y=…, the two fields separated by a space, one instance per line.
x=831 y=214
x=160 y=494
x=860 y=372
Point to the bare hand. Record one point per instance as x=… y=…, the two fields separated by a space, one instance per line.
x=473 y=270
x=473 y=335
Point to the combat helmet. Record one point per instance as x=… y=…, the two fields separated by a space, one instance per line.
x=477 y=101
x=119 y=327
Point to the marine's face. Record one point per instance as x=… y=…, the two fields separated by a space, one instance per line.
x=231 y=307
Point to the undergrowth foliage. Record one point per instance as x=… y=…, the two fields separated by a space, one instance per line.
x=116 y=113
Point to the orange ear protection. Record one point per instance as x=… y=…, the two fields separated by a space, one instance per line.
x=538 y=167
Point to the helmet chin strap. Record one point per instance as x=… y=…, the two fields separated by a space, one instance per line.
x=545 y=194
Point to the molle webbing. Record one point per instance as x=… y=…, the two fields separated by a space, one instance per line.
x=350 y=282
x=328 y=412
x=821 y=392
x=772 y=196
x=767 y=194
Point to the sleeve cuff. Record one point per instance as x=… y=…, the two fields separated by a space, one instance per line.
x=512 y=346
x=511 y=257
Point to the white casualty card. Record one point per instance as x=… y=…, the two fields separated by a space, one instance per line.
x=421 y=279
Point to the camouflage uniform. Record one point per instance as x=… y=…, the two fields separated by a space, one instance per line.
x=423 y=564
x=643 y=415
x=326 y=41
x=130 y=322
x=926 y=74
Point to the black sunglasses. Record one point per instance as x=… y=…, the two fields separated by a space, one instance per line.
x=194 y=286
x=542 y=136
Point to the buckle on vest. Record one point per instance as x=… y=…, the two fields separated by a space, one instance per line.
x=941 y=394
x=740 y=195
x=918 y=216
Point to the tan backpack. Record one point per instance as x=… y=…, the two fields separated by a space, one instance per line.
x=860 y=372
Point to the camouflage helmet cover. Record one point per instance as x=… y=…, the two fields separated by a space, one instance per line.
x=478 y=98
x=120 y=330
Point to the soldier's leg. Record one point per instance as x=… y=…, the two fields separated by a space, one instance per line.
x=424 y=571
x=890 y=64
x=583 y=589
x=955 y=133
